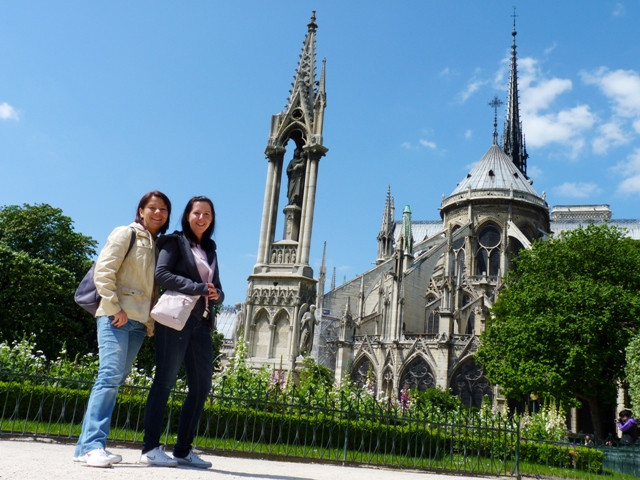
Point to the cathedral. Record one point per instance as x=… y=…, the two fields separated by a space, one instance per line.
x=414 y=319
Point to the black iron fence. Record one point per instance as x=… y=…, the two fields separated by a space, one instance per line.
x=272 y=424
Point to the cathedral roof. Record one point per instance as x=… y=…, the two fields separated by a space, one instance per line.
x=495 y=175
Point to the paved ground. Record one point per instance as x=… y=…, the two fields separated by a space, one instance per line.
x=37 y=459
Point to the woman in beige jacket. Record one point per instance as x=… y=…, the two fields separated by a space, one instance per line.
x=124 y=279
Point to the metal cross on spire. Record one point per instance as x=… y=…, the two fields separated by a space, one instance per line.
x=495 y=103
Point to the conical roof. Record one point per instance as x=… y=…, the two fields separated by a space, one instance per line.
x=494 y=176
x=495 y=170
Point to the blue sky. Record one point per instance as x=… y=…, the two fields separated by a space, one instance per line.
x=103 y=101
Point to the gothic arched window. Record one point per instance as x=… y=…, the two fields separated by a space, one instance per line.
x=470 y=384
x=363 y=374
x=458 y=251
x=488 y=254
x=417 y=375
x=432 y=315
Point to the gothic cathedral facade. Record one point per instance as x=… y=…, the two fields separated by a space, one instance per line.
x=413 y=321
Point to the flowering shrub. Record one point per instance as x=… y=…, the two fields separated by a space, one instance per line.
x=238 y=382
x=405 y=399
x=19 y=357
x=238 y=379
x=547 y=424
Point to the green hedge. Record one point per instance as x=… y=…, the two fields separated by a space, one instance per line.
x=322 y=429
x=268 y=423
x=579 y=458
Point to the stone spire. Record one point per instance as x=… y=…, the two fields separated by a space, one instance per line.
x=407 y=234
x=304 y=81
x=322 y=276
x=514 y=145
x=385 y=237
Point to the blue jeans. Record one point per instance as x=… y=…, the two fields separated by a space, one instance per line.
x=117 y=348
x=192 y=346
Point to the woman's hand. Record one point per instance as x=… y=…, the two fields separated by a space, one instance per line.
x=213 y=292
x=120 y=319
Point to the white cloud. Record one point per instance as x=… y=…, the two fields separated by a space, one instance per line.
x=474 y=84
x=472 y=87
x=566 y=127
x=543 y=94
x=630 y=171
x=576 y=189
x=7 y=112
x=622 y=88
x=468 y=134
x=528 y=71
x=618 y=10
x=421 y=143
x=428 y=144
x=533 y=171
x=630 y=185
x=609 y=134
x=541 y=124
x=550 y=49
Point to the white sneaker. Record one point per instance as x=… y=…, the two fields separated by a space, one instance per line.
x=114 y=457
x=193 y=460
x=97 y=458
x=158 y=457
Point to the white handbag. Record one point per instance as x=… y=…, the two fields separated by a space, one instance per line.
x=173 y=309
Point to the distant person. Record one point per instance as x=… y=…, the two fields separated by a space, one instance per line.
x=628 y=426
x=187 y=263
x=588 y=441
x=124 y=278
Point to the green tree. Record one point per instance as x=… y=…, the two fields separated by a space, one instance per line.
x=42 y=260
x=44 y=232
x=632 y=369
x=560 y=327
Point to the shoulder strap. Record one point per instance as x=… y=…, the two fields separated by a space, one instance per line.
x=133 y=239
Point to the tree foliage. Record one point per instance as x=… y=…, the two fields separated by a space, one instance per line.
x=42 y=259
x=44 y=232
x=561 y=325
x=632 y=370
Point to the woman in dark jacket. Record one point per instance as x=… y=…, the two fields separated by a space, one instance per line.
x=187 y=263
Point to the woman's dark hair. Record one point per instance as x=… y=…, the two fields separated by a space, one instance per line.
x=186 y=228
x=146 y=198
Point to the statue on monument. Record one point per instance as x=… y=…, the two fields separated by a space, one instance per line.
x=295 y=172
x=307 y=326
x=238 y=326
x=347 y=326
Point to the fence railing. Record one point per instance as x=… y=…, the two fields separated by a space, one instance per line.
x=270 y=424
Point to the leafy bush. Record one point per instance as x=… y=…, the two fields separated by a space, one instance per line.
x=632 y=370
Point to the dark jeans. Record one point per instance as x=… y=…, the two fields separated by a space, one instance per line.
x=193 y=347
